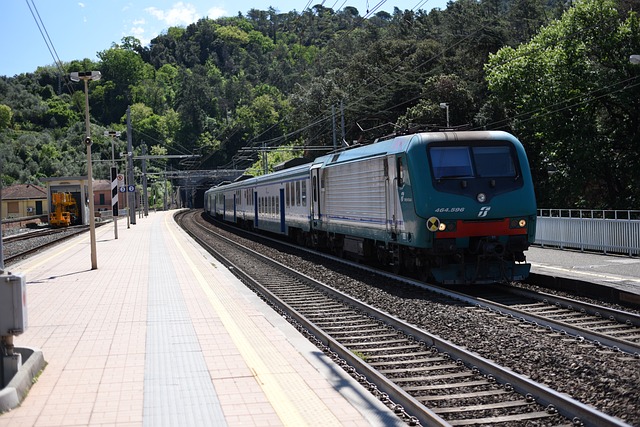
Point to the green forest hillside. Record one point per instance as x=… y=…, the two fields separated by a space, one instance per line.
x=555 y=73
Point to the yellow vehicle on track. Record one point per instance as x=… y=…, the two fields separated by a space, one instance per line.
x=65 y=210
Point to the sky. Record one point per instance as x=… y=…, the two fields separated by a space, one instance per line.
x=80 y=29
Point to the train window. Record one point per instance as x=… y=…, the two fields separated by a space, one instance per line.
x=286 y=193
x=495 y=161
x=297 y=193
x=292 y=201
x=451 y=162
x=277 y=205
x=400 y=173
x=304 y=193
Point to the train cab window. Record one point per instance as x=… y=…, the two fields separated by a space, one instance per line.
x=451 y=162
x=494 y=162
x=304 y=193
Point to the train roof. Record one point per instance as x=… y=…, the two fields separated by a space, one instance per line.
x=401 y=144
x=398 y=144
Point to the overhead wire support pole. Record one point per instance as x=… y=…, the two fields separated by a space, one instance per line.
x=76 y=77
x=130 y=197
x=145 y=196
x=114 y=181
x=333 y=125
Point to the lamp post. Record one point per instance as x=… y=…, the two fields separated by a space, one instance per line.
x=445 y=105
x=76 y=77
x=114 y=173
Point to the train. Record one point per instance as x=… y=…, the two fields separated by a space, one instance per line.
x=451 y=207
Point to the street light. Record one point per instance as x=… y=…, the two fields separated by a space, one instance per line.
x=114 y=173
x=445 y=105
x=76 y=77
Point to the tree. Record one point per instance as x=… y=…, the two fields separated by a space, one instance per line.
x=5 y=116
x=121 y=69
x=572 y=97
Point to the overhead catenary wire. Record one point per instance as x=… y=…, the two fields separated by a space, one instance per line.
x=48 y=42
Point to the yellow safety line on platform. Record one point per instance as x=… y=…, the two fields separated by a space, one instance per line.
x=287 y=411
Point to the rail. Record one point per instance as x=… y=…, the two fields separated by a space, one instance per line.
x=607 y=231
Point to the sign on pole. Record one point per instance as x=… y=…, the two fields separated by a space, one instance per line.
x=114 y=190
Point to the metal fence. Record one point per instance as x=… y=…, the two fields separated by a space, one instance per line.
x=590 y=230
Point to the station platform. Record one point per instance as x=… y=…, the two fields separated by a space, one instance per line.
x=604 y=274
x=161 y=334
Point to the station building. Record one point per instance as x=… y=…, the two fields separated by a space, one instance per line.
x=23 y=201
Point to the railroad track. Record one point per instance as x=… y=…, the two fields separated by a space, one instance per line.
x=430 y=380
x=601 y=325
x=24 y=245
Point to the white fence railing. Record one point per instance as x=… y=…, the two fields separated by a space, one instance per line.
x=591 y=230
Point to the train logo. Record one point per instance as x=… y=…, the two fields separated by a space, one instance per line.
x=484 y=211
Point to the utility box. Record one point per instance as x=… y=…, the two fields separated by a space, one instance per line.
x=13 y=304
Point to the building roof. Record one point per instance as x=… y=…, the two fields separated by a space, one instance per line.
x=101 y=185
x=24 y=192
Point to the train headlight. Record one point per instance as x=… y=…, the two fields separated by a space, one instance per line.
x=442 y=226
x=518 y=223
x=481 y=197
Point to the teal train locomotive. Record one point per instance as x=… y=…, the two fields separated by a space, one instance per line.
x=448 y=207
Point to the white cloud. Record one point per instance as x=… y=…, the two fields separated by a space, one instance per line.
x=216 y=12
x=81 y=5
x=181 y=13
x=138 y=32
x=139 y=22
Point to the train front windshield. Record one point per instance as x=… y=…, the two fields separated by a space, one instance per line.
x=451 y=162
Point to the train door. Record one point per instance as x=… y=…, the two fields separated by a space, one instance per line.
x=392 y=176
x=255 y=209
x=315 y=193
x=235 y=208
x=282 y=220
